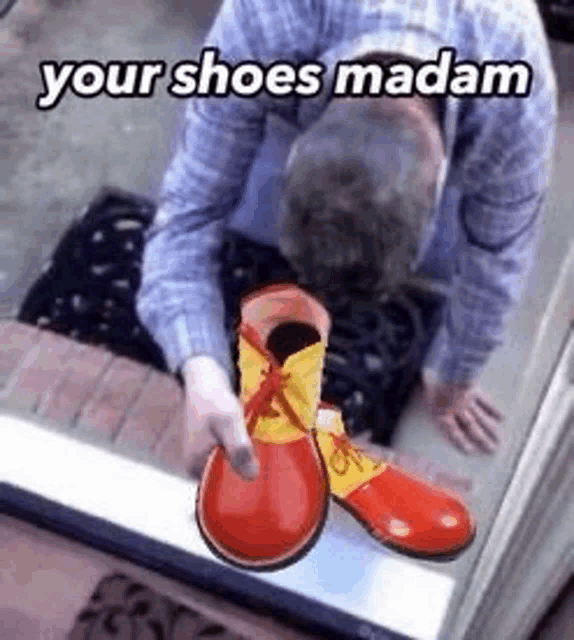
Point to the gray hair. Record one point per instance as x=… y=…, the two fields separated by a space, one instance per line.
x=355 y=200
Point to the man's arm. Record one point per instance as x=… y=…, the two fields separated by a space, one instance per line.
x=505 y=183
x=501 y=216
x=489 y=283
x=179 y=299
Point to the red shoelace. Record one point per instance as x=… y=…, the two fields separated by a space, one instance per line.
x=272 y=388
x=349 y=452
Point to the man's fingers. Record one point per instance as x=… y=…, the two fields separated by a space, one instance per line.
x=244 y=461
x=219 y=431
x=232 y=434
x=198 y=445
x=455 y=434
x=488 y=424
x=197 y=462
x=488 y=408
x=475 y=432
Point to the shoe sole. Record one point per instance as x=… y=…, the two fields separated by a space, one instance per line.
x=284 y=561
x=447 y=556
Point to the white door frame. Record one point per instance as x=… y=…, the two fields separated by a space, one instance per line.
x=529 y=552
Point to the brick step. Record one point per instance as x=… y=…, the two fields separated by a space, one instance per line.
x=90 y=392
x=96 y=395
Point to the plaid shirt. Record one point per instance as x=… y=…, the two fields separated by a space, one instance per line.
x=499 y=151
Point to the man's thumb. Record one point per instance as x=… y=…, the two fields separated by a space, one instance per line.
x=244 y=461
x=239 y=450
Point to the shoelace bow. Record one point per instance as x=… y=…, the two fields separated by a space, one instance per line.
x=272 y=388
x=350 y=452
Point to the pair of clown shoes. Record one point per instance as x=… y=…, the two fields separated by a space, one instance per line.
x=306 y=458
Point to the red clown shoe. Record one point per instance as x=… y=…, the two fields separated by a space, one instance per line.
x=397 y=508
x=271 y=522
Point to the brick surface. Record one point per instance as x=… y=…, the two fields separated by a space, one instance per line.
x=41 y=369
x=15 y=341
x=116 y=392
x=84 y=368
x=123 y=401
x=152 y=413
x=168 y=449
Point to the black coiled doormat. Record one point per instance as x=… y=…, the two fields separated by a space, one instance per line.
x=123 y=609
x=87 y=292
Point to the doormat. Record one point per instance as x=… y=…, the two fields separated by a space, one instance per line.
x=123 y=609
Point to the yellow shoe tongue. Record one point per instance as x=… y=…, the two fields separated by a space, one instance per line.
x=301 y=390
x=347 y=467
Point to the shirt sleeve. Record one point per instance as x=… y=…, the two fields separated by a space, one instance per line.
x=179 y=300
x=505 y=183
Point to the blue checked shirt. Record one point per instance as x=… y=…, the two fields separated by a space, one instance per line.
x=499 y=163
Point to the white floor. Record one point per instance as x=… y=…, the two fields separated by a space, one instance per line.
x=346 y=569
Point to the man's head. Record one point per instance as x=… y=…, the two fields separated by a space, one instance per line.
x=359 y=186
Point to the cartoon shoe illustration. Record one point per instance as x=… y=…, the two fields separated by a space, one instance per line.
x=397 y=508
x=274 y=520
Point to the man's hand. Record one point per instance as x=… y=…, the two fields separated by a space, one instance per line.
x=463 y=414
x=214 y=416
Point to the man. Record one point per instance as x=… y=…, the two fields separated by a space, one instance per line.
x=450 y=187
